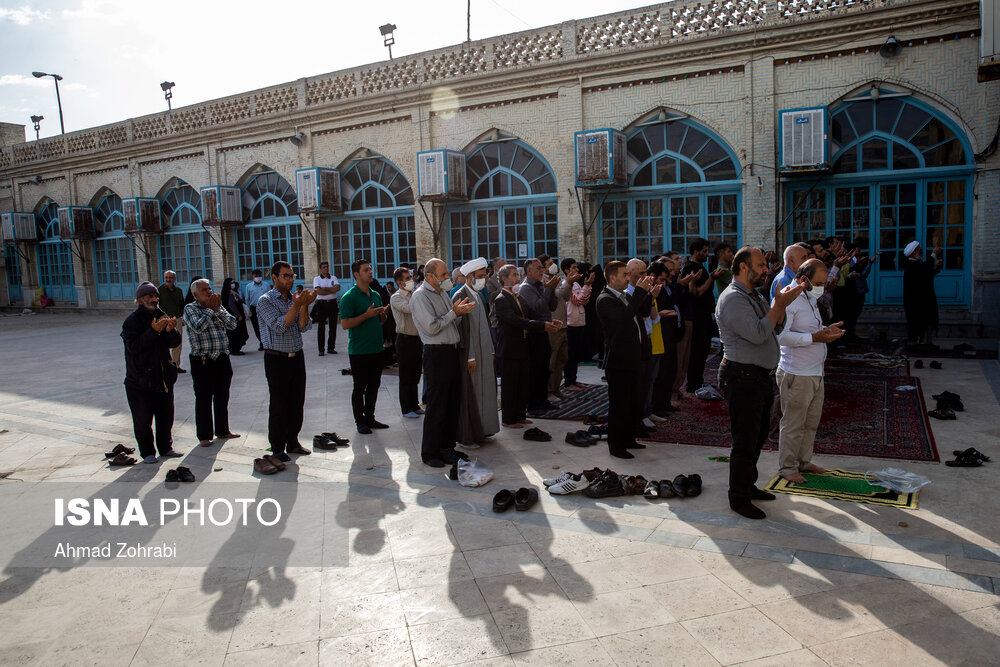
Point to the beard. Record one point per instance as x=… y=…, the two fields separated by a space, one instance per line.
x=756 y=279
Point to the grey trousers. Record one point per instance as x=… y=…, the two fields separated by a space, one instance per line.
x=801 y=410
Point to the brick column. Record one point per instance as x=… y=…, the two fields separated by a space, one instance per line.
x=760 y=215
x=83 y=273
x=312 y=249
x=571 y=223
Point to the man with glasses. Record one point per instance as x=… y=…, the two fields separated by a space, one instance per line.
x=283 y=318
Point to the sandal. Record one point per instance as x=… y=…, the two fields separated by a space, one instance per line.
x=122 y=459
x=964 y=460
x=119 y=449
x=972 y=451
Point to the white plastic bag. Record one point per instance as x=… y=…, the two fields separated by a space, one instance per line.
x=897 y=479
x=470 y=473
x=708 y=393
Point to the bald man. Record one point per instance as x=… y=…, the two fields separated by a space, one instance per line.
x=794 y=256
x=435 y=317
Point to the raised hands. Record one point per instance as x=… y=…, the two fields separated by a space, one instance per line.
x=214 y=301
x=551 y=283
x=572 y=276
x=590 y=278
x=829 y=334
x=463 y=307
x=304 y=298
x=645 y=283
x=789 y=294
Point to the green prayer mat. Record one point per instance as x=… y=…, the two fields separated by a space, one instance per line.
x=846 y=485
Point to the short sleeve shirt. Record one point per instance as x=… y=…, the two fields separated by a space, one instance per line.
x=366 y=338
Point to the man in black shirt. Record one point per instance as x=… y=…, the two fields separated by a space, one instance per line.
x=702 y=307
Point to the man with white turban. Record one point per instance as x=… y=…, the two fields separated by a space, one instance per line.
x=919 y=299
x=478 y=418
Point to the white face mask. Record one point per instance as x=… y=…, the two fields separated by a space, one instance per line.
x=446 y=284
x=479 y=284
x=409 y=285
x=257 y=280
x=553 y=269
x=817 y=291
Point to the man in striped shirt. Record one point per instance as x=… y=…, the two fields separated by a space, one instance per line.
x=211 y=372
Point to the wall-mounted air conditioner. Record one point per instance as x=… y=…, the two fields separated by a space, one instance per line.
x=318 y=189
x=142 y=214
x=441 y=175
x=221 y=205
x=76 y=222
x=17 y=226
x=803 y=139
x=989 y=40
x=600 y=158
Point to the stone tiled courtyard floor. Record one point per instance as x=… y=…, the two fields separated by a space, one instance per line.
x=433 y=576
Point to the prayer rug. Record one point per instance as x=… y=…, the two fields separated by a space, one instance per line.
x=590 y=401
x=846 y=485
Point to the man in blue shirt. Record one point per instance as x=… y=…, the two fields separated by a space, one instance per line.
x=794 y=256
x=283 y=318
x=252 y=291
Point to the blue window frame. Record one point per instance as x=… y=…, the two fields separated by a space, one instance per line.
x=512 y=212
x=274 y=231
x=55 y=262
x=184 y=246
x=115 y=271
x=902 y=171
x=12 y=263
x=684 y=184
x=378 y=223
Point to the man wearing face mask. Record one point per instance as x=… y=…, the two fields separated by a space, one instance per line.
x=409 y=349
x=252 y=292
x=478 y=412
x=435 y=317
x=800 y=373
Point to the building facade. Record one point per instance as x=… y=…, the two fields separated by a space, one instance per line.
x=698 y=89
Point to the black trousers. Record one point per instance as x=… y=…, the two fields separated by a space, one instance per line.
x=623 y=396
x=513 y=390
x=145 y=407
x=325 y=311
x=286 y=384
x=539 y=352
x=255 y=322
x=701 y=344
x=663 y=382
x=443 y=393
x=366 y=370
x=748 y=390
x=409 y=354
x=211 y=379
x=576 y=342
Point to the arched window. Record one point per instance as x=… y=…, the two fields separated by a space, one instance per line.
x=184 y=247
x=512 y=212
x=55 y=263
x=902 y=171
x=274 y=231
x=115 y=271
x=378 y=221
x=684 y=184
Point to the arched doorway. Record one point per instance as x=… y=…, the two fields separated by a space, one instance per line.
x=512 y=208
x=114 y=255
x=902 y=171
x=184 y=246
x=273 y=230
x=55 y=261
x=377 y=222
x=683 y=183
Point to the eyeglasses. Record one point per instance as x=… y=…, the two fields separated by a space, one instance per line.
x=285 y=276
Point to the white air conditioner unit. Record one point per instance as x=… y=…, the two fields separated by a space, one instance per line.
x=18 y=227
x=600 y=158
x=441 y=175
x=142 y=215
x=989 y=40
x=221 y=205
x=803 y=139
x=76 y=222
x=318 y=189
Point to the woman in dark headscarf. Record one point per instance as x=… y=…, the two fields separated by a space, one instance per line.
x=232 y=301
x=595 y=336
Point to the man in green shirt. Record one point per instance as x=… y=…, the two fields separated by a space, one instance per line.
x=172 y=303
x=362 y=314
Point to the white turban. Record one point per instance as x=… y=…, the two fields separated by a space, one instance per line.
x=910 y=248
x=474 y=265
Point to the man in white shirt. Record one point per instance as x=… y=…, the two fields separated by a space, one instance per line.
x=800 y=373
x=327 y=290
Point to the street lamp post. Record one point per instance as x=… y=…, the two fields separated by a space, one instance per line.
x=387 y=37
x=167 y=92
x=37 y=120
x=57 y=79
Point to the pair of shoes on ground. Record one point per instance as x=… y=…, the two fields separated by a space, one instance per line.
x=537 y=435
x=521 y=500
x=970 y=458
x=268 y=464
x=610 y=484
x=119 y=456
x=936 y=365
x=953 y=401
x=569 y=482
x=943 y=411
x=179 y=474
x=681 y=486
x=600 y=431
x=329 y=441
x=366 y=429
x=582 y=438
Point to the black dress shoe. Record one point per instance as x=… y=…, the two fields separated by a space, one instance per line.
x=364 y=429
x=377 y=424
x=434 y=463
x=525 y=498
x=330 y=435
x=283 y=457
x=454 y=456
x=578 y=441
x=748 y=510
x=503 y=500
x=181 y=370
x=322 y=442
x=298 y=449
x=694 y=485
x=759 y=494
x=622 y=454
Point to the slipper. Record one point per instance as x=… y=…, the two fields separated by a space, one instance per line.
x=185 y=474
x=122 y=459
x=694 y=485
x=964 y=461
x=172 y=477
x=681 y=485
x=119 y=449
x=972 y=451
